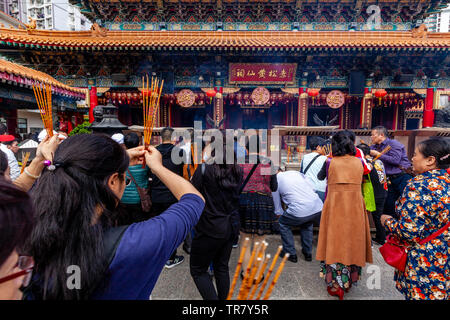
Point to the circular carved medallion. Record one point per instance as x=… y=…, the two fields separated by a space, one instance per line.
x=260 y=96
x=186 y=98
x=335 y=99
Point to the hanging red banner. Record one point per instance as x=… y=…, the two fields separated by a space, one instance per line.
x=262 y=73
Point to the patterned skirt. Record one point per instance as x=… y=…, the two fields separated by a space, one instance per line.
x=344 y=276
x=257 y=213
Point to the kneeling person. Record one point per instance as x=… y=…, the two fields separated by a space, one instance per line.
x=303 y=208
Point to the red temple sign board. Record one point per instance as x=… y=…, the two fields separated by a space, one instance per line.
x=262 y=73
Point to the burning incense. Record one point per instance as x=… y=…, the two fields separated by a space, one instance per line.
x=151 y=94
x=260 y=275
x=247 y=273
x=43 y=95
x=252 y=280
x=25 y=157
x=238 y=268
x=384 y=151
x=269 y=273
x=277 y=275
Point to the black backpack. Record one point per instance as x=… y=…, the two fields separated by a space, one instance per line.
x=111 y=241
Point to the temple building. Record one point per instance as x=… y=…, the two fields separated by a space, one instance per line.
x=256 y=64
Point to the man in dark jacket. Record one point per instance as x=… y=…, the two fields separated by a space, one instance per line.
x=395 y=162
x=162 y=198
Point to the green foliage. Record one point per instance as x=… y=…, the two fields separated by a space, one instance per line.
x=81 y=128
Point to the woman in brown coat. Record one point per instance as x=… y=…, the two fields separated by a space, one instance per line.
x=344 y=244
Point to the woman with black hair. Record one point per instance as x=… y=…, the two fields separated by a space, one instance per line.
x=75 y=201
x=16 y=223
x=344 y=244
x=424 y=224
x=218 y=226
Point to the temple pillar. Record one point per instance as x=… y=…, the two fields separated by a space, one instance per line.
x=218 y=107
x=428 y=113
x=302 y=115
x=395 y=118
x=93 y=102
x=365 y=120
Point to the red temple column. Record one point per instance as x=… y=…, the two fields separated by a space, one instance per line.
x=428 y=113
x=93 y=102
x=302 y=114
x=365 y=119
x=218 y=106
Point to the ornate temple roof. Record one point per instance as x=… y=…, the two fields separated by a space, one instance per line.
x=23 y=76
x=255 y=10
x=103 y=40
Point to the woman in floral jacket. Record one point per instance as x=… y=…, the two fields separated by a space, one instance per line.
x=424 y=210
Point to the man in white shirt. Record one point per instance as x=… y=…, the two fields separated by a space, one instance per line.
x=312 y=163
x=303 y=208
x=14 y=170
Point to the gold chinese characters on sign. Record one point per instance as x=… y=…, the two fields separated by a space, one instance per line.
x=335 y=99
x=260 y=96
x=186 y=98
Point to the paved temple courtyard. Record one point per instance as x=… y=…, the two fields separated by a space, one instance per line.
x=299 y=281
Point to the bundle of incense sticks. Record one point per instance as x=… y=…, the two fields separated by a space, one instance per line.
x=151 y=94
x=25 y=157
x=288 y=154
x=384 y=151
x=43 y=94
x=255 y=271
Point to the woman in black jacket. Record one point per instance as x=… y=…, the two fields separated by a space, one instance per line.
x=217 y=227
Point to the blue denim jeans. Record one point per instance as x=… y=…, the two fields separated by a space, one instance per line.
x=287 y=221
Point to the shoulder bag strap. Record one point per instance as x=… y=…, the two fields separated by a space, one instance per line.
x=310 y=164
x=248 y=177
x=434 y=235
x=111 y=241
x=132 y=178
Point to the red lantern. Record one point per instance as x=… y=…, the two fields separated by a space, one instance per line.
x=313 y=93
x=211 y=94
x=380 y=94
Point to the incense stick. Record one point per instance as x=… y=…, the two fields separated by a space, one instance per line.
x=384 y=151
x=238 y=268
x=269 y=273
x=248 y=270
x=25 y=157
x=43 y=95
x=277 y=275
x=260 y=275
x=252 y=280
x=151 y=94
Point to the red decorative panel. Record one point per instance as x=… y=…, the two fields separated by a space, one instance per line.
x=262 y=73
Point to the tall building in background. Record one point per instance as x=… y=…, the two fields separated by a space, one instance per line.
x=56 y=15
x=439 y=22
x=15 y=8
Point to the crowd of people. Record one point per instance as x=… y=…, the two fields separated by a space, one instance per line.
x=117 y=211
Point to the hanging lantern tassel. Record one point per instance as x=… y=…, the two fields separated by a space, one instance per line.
x=211 y=94
x=380 y=94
